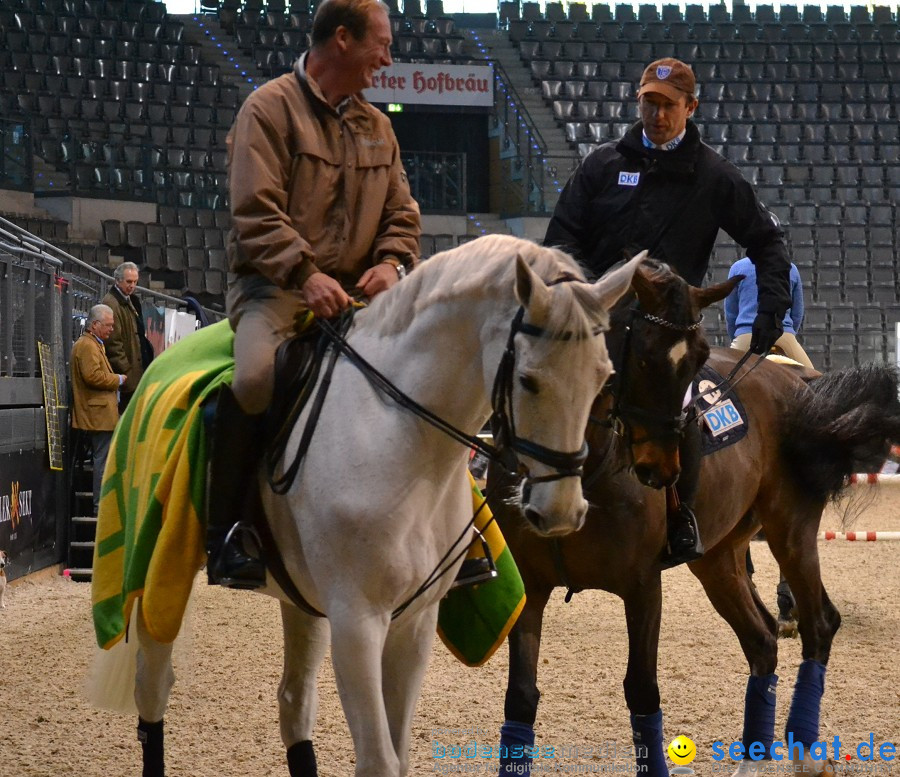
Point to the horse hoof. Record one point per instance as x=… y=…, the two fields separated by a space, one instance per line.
x=787 y=629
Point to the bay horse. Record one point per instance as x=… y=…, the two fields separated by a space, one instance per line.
x=381 y=505
x=803 y=439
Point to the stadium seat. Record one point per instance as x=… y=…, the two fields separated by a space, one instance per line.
x=694 y=13
x=586 y=69
x=575 y=131
x=135 y=234
x=563 y=110
x=111 y=232
x=587 y=32
x=153 y=257
x=551 y=89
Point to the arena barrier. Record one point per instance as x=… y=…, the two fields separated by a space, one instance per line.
x=873 y=479
x=859 y=536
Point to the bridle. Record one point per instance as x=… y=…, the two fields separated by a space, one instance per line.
x=503 y=427
x=623 y=415
x=507 y=444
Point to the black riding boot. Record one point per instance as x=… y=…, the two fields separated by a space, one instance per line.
x=681 y=524
x=236 y=449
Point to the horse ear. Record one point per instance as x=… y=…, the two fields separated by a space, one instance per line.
x=531 y=291
x=644 y=287
x=615 y=283
x=707 y=296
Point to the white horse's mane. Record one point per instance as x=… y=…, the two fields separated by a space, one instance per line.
x=480 y=269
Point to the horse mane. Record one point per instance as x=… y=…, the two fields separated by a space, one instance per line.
x=480 y=269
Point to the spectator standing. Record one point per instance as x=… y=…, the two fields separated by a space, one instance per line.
x=95 y=387
x=662 y=189
x=741 y=307
x=129 y=351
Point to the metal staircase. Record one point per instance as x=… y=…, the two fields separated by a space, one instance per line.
x=83 y=524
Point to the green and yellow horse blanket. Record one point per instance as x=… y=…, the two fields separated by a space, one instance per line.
x=150 y=530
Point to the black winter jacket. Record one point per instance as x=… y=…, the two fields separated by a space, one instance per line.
x=625 y=198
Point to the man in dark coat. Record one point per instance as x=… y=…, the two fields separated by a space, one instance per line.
x=128 y=349
x=662 y=189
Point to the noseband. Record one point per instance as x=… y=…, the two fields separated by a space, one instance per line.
x=623 y=416
x=506 y=442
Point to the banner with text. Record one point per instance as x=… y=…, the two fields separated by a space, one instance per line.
x=427 y=84
x=27 y=512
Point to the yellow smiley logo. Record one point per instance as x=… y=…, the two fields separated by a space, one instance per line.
x=682 y=750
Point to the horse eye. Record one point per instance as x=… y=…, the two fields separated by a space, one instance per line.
x=529 y=384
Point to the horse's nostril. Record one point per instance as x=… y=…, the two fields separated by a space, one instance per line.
x=534 y=517
x=646 y=476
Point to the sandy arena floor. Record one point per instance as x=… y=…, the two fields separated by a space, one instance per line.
x=222 y=718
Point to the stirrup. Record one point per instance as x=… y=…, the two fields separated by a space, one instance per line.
x=672 y=559
x=476 y=570
x=251 y=572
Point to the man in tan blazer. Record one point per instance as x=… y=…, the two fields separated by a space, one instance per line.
x=95 y=389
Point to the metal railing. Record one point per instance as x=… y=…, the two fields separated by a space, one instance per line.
x=437 y=180
x=520 y=131
x=45 y=294
x=531 y=178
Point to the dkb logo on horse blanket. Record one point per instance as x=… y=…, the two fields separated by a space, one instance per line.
x=724 y=420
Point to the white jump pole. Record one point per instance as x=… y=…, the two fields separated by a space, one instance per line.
x=872 y=479
x=860 y=536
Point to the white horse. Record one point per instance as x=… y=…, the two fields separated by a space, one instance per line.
x=381 y=495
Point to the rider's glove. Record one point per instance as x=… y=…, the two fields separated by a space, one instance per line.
x=767 y=328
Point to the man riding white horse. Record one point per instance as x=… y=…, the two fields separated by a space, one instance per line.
x=320 y=204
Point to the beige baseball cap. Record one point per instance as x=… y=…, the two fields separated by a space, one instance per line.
x=670 y=77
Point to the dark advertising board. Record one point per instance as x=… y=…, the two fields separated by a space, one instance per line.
x=28 y=531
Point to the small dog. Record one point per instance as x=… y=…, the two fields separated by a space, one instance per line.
x=4 y=561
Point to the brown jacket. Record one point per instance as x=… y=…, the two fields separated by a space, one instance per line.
x=313 y=189
x=123 y=349
x=95 y=406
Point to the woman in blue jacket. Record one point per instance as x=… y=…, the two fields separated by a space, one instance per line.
x=740 y=312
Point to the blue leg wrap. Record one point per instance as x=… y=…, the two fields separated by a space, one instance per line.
x=514 y=739
x=759 y=711
x=647 y=734
x=803 y=719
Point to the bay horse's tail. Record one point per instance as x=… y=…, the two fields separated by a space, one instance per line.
x=844 y=422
